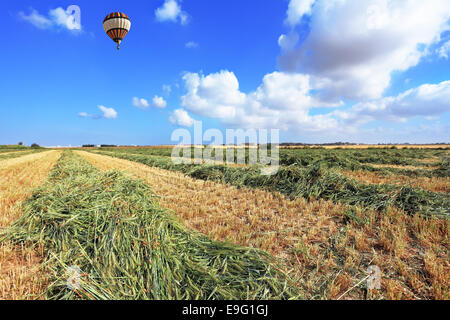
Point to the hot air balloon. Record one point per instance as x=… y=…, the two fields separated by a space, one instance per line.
x=117 y=25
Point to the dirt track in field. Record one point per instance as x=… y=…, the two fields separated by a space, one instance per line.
x=20 y=277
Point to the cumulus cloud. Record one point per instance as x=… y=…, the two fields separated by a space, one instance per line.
x=65 y=19
x=428 y=101
x=171 y=11
x=157 y=102
x=288 y=42
x=287 y=100
x=297 y=9
x=181 y=118
x=444 y=50
x=140 y=103
x=107 y=113
x=57 y=18
x=349 y=52
x=353 y=46
x=282 y=101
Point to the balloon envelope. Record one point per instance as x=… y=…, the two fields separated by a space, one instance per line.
x=117 y=25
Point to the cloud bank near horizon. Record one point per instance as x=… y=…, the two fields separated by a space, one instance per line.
x=351 y=50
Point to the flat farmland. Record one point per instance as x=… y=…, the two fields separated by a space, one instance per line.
x=139 y=226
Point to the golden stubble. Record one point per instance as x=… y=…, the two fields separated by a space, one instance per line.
x=20 y=272
x=324 y=250
x=435 y=184
x=24 y=159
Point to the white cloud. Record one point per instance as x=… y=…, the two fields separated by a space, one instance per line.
x=427 y=100
x=191 y=44
x=281 y=101
x=57 y=18
x=83 y=115
x=159 y=102
x=297 y=9
x=171 y=11
x=353 y=46
x=288 y=42
x=285 y=101
x=444 y=50
x=181 y=117
x=108 y=113
x=64 y=19
x=140 y=103
x=36 y=19
x=350 y=52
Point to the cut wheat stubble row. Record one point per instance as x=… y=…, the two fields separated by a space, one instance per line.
x=20 y=276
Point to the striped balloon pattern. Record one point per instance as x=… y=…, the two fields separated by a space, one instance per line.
x=117 y=25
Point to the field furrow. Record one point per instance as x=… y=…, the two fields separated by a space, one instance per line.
x=19 y=266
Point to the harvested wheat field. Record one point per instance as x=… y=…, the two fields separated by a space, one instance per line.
x=132 y=224
x=326 y=247
x=435 y=184
x=20 y=276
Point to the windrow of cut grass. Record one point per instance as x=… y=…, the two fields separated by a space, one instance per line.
x=409 y=162
x=312 y=182
x=342 y=159
x=113 y=229
x=369 y=156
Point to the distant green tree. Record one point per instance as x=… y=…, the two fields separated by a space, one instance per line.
x=35 y=146
x=20 y=143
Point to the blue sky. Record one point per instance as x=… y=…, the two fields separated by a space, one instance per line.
x=294 y=65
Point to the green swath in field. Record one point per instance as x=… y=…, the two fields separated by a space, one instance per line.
x=127 y=247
